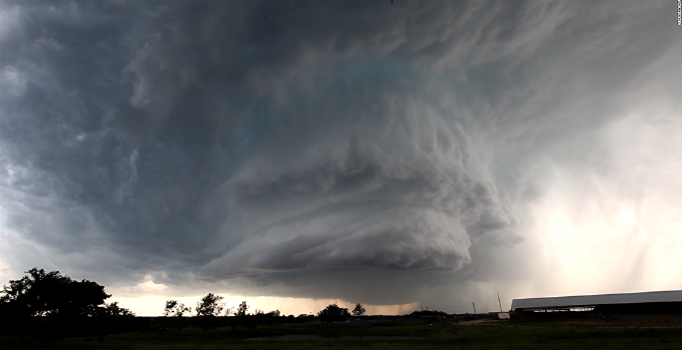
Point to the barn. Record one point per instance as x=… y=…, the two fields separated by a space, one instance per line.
x=645 y=303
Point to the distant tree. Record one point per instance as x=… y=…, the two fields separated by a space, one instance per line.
x=113 y=310
x=176 y=309
x=243 y=319
x=207 y=309
x=359 y=310
x=275 y=313
x=210 y=305
x=253 y=320
x=228 y=311
x=51 y=294
x=242 y=309
x=272 y=317
x=304 y=318
x=427 y=313
x=333 y=313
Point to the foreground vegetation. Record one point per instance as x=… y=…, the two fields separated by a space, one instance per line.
x=438 y=336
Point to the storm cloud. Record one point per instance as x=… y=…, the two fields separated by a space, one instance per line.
x=344 y=149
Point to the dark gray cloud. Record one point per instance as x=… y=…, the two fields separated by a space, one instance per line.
x=322 y=149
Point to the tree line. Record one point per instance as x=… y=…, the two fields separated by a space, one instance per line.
x=211 y=306
x=42 y=300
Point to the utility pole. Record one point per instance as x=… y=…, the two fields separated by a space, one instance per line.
x=498 y=300
x=472 y=303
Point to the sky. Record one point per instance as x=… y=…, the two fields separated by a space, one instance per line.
x=399 y=154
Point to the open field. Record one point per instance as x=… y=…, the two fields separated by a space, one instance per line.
x=438 y=336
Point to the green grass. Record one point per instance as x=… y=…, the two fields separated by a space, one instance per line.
x=443 y=336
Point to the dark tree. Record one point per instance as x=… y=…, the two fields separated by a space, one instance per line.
x=242 y=309
x=113 y=310
x=51 y=294
x=207 y=309
x=359 y=310
x=427 y=313
x=243 y=319
x=275 y=313
x=176 y=309
x=333 y=313
x=210 y=305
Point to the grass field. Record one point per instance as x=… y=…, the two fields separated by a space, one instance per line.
x=439 y=336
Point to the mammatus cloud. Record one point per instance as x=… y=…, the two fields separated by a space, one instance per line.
x=388 y=152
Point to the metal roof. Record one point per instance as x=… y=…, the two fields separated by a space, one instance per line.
x=600 y=299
